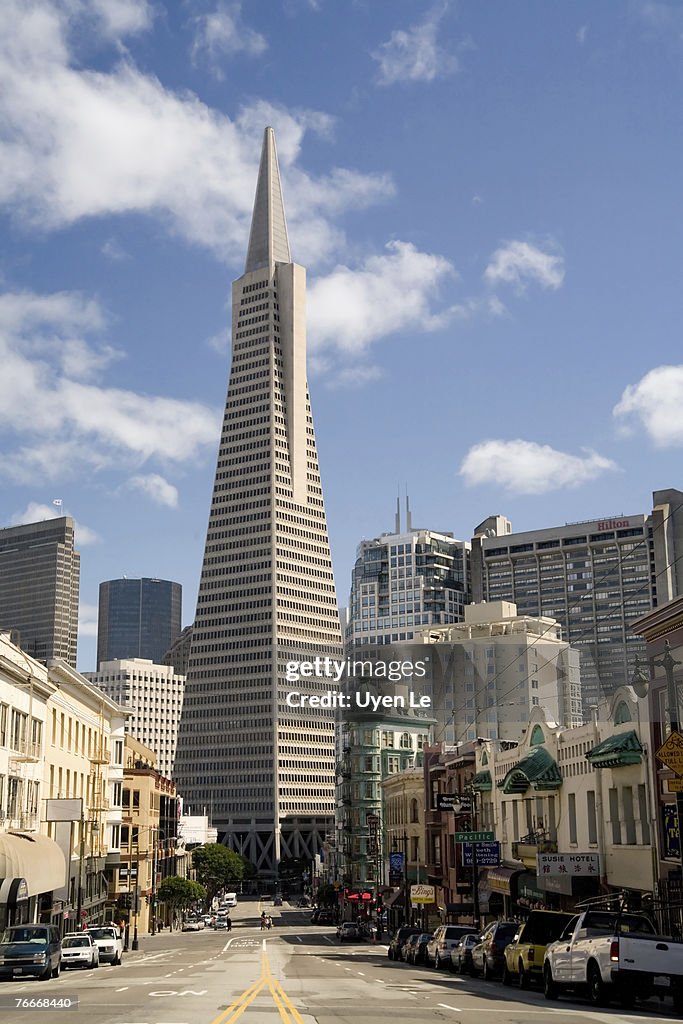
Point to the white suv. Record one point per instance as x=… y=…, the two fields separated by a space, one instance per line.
x=107 y=938
x=445 y=938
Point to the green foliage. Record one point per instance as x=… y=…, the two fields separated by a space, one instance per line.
x=175 y=891
x=326 y=896
x=249 y=868
x=292 y=867
x=217 y=867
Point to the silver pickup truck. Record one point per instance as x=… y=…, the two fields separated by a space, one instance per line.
x=611 y=955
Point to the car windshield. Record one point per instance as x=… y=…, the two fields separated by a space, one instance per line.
x=24 y=935
x=75 y=940
x=102 y=933
x=541 y=930
x=505 y=930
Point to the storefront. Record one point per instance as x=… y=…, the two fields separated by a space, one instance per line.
x=502 y=888
x=32 y=867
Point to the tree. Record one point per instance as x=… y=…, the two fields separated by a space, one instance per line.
x=217 y=867
x=178 y=893
x=326 y=896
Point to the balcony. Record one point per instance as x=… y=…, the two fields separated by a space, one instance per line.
x=29 y=821
x=526 y=849
x=99 y=754
x=26 y=752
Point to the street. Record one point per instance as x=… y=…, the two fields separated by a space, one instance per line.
x=296 y=973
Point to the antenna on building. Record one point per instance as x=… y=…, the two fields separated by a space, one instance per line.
x=397 y=522
x=409 y=517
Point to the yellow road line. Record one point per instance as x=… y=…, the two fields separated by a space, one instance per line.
x=288 y=1012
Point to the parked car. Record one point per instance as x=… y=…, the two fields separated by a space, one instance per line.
x=277 y=902
x=613 y=955
x=417 y=950
x=408 y=945
x=398 y=940
x=349 y=931
x=79 y=950
x=323 y=916
x=191 y=926
x=524 y=955
x=445 y=938
x=488 y=956
x=221 y=924
x=30 y=950
x=461 y=954
x=108 y=940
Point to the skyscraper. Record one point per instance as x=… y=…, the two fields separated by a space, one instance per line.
x=39 y=585
x=595 y=577
x=404 y=581
x=138 y=619
x=264 y=770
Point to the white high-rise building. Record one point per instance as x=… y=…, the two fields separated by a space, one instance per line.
x=154 y=694
x=490 y=671
x=264 y=769
x=404 y=581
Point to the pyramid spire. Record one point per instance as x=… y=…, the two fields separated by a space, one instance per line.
x=268 y=241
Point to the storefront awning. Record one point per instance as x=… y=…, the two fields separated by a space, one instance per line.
x=33 y=857
x=499 y=879
x=482 y=782
x=537 y=769
x=616 y=751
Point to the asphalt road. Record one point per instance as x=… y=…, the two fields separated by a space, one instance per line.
x=296 y=973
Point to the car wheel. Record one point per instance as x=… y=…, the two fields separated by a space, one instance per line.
x=117 y=961
x=46 y=975
x=597 y=991
x=487 y=971
x=473 y=970
x=390 y=954
x=524 y=979
x=550 y=990
x=506 y=977
x=56 y=970
x=451 y=966
x=437 y=962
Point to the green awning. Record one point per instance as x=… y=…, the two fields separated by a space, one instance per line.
x=616 y=751
x=537 y=769
x=482 y=782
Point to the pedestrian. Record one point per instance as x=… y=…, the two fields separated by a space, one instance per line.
x=229 y=923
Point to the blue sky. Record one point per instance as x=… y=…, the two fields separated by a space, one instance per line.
x=488 y=201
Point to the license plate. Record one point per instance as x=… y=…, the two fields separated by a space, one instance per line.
x=16 y=970
x=662 y=980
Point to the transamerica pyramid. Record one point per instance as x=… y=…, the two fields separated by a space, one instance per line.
x=264 y=770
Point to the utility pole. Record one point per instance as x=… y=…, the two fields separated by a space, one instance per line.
x=81 y=858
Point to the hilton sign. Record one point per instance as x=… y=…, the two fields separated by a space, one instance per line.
x=613 y=524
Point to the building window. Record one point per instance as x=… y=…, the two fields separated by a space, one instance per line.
x=614 y=816
x=592 y=817
x=629 y=817
x=571 y=801
x=642 y=812
x=414 y=811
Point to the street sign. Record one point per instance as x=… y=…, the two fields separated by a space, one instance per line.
x=474 y=837
x=488 y=854
x=453 y=802
x=671 y=752
x=675 y=785
x=422 y=894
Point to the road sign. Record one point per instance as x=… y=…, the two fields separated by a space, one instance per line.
x=488 y=854
x=671 y=752
x=675 y=785
x=474 y=837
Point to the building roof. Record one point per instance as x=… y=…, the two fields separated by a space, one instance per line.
x=537 y=769
x=482 y=781
x=268 y=240
x=616 y=751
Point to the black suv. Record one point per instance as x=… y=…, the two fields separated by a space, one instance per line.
x=399 y=938
x=488 y=956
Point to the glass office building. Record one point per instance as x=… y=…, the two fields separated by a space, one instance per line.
x=137 y=619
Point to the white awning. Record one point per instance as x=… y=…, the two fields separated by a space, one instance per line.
x=34 y=857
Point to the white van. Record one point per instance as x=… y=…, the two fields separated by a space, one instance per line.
x=230 y=899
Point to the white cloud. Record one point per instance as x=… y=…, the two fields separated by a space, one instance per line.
x=525 y=467
x=518 y=263
x=113 y=250
x=414 y=54
x=156 y=488
x=221 y=33
x=357 y=376
x=37 y=512
x=581 y=34
x=120 y=18
x=87 y=619
x=221 y=341
x=349 y=309
x=656 y=403
x=65 y=423
x=78 y=143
